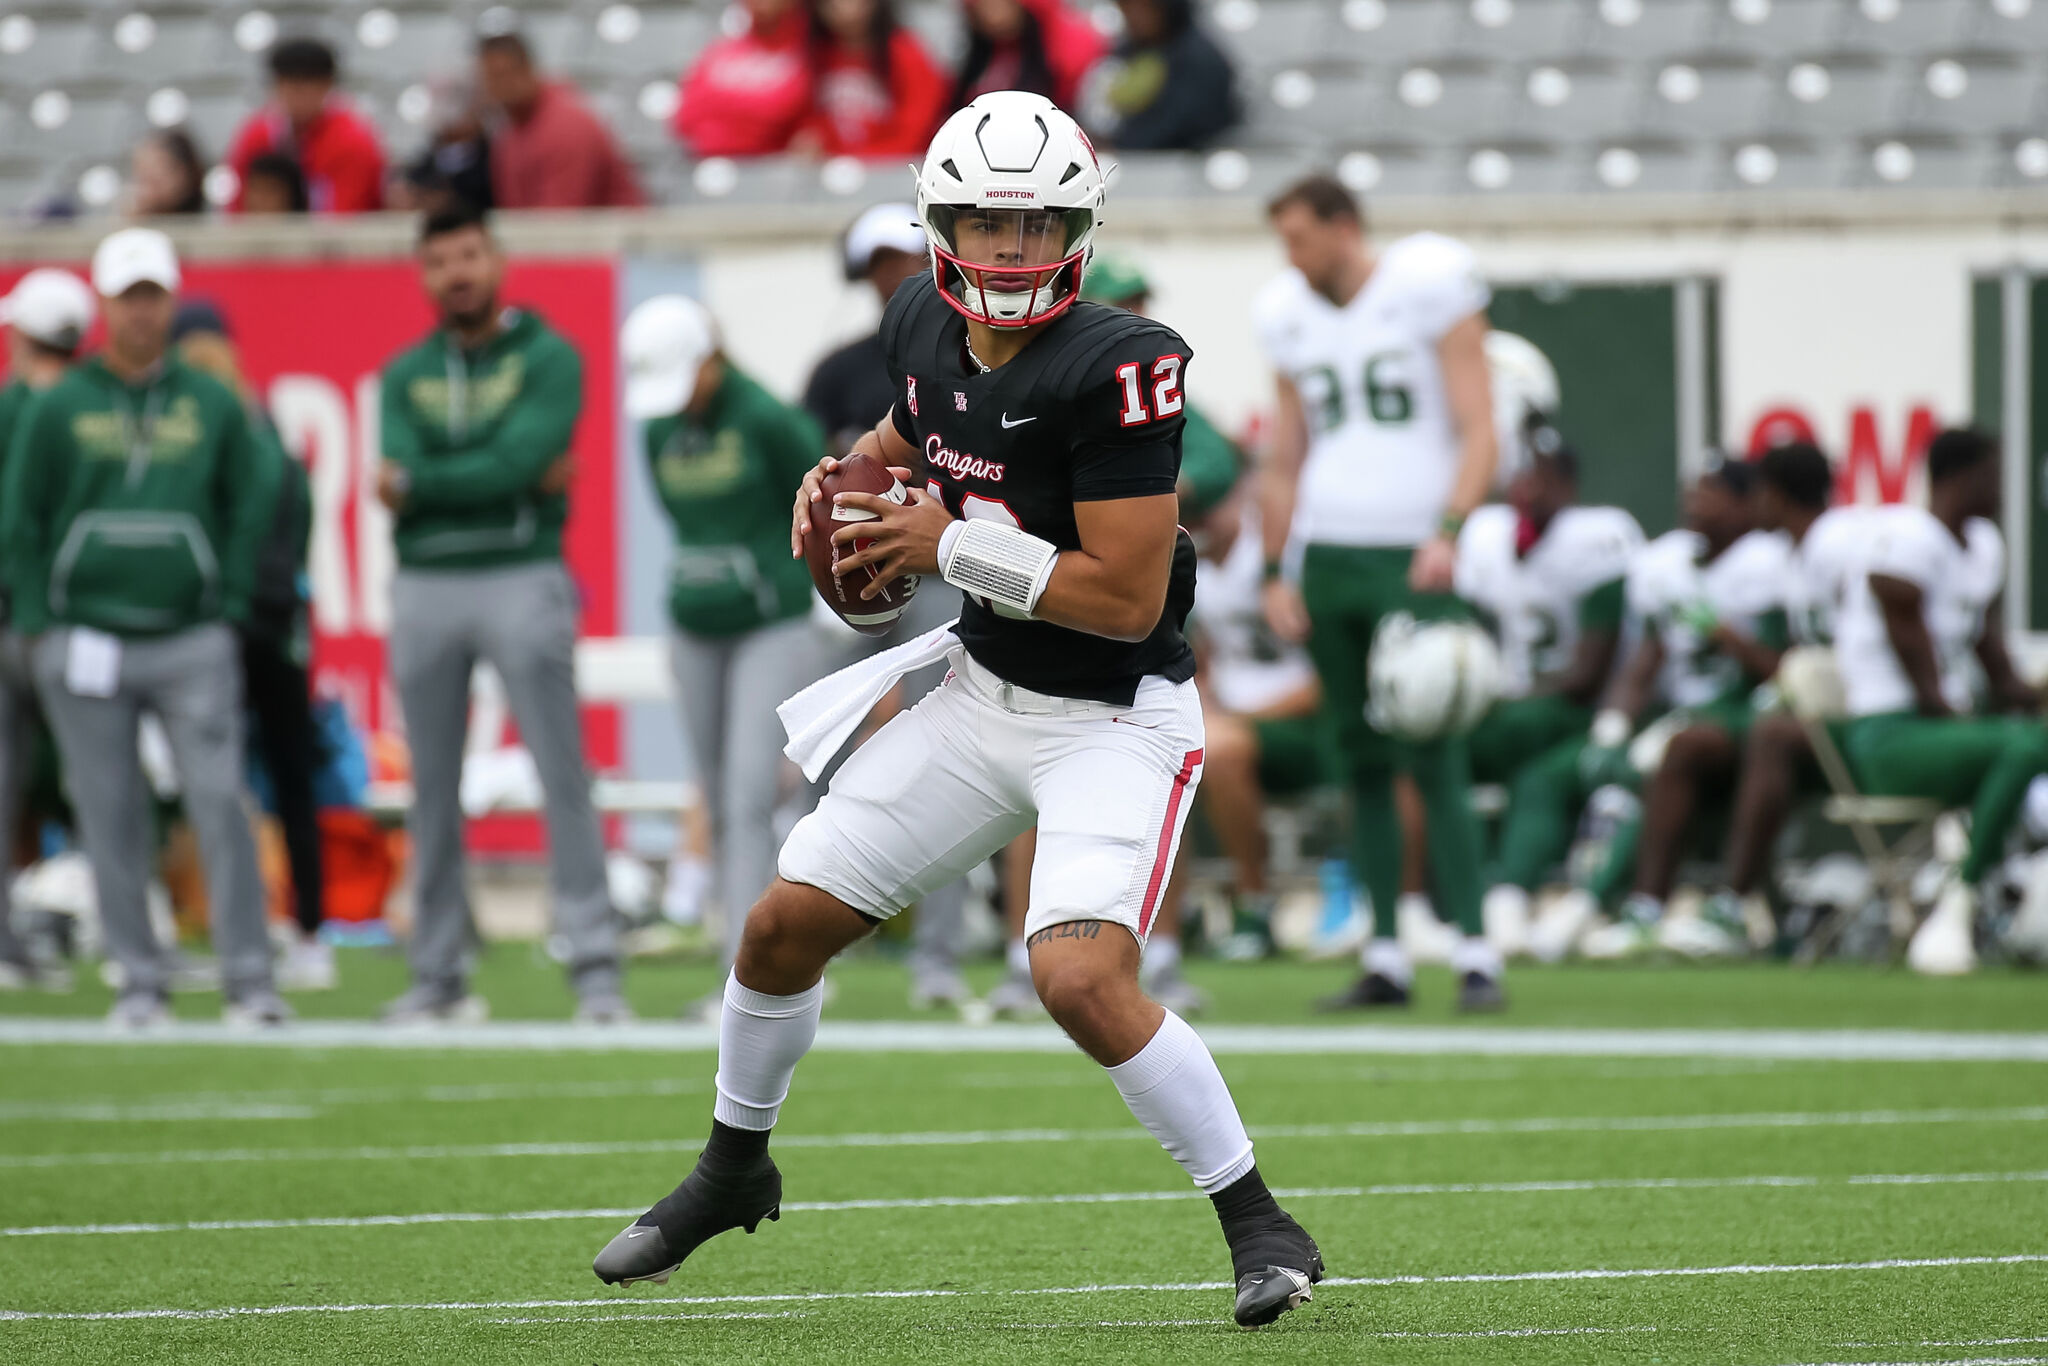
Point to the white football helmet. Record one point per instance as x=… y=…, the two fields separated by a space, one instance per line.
x=1430 y=679
x=1524 y=382
x=1010 y=196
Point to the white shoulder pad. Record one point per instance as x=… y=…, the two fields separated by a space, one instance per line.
x=1277 y=316
x=1438 y=278
x=1661 y=571
x=1600 y=542
x=1485 y=544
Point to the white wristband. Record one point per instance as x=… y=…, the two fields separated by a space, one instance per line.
x=1611 y=728
x=1005 y=564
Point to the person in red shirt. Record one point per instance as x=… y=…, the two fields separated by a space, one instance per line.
x=335 y=146
x=874 y=90
x=1036 y=45
x=748 y=96
x=549 y=151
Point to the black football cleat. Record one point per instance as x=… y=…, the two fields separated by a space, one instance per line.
x=1368 y=992
x=692 y=1214
x=1479 y=994
x=1275 y=1265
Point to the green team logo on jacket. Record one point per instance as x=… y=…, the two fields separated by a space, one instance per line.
x=691 y=467
x=110 y=435
x=485 y=396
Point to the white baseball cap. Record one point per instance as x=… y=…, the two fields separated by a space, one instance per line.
x=131 y=257
x=891 y=226
x=666 y=342
x=51 y=306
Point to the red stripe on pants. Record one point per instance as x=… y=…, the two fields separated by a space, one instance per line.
x=1188 y=764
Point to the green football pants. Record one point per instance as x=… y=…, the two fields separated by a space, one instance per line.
x=1982 y=762
x=1348 y=590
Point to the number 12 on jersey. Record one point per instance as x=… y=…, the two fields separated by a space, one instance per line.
x=1166 y=395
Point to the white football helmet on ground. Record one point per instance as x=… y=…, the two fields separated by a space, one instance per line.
x=1429 y=680
x=1010 y=196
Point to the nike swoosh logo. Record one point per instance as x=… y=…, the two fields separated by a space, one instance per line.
x=637 y=1230
x=1007 y=424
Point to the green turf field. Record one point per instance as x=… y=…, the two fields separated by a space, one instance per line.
x=253 y=1204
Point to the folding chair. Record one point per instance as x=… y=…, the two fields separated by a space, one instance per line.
x=1811 y=686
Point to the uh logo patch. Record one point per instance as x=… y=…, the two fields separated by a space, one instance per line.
x=959 y=402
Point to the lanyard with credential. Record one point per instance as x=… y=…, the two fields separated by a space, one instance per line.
x=141 y=436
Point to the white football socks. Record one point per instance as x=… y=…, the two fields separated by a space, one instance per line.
x=1174 y=1089
x=760 y=1040
x=1387 y=958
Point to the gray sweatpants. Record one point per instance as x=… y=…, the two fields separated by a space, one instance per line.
x=192 y=681
x=522 y=619
x=17 y=738
x=729 y=688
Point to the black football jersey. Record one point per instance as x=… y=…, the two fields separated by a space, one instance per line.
x=1090 y=411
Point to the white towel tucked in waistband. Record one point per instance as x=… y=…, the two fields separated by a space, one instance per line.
x=819 y=719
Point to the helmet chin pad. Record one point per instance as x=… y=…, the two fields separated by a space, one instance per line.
x=1054 y=288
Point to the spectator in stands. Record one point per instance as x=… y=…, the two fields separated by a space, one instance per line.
x=336 y=146
x=1168 y=86
x=548 y=151
x=455 y=167
x=136 y=499
x=874 y=89
x=276 y=648
x=166 y=176
x=274 y=184
x=1036 y=45
x=748 y=95
x=47 y=316
x=850 y=390
x=477 y=420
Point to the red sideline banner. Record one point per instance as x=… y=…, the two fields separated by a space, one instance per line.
x=313 y=337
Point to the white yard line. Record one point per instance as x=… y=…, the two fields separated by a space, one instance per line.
x=950 y=1037
x=1421 y=1128
x=1939 y=1361
x=1670 y=1183
x=1166 y=1288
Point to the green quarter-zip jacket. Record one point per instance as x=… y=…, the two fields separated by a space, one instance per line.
x=728 y=478
x=476 y=431
x=134 y=508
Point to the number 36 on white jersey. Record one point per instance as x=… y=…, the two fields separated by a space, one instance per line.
x=1383 y=453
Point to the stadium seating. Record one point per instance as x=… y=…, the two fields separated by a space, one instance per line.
x=1431 y=89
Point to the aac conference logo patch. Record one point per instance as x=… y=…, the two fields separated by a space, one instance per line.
x=910 y=391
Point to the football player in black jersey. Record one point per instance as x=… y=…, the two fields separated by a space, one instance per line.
x=1050 y=436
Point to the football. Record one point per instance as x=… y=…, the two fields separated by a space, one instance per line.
x=873 y=616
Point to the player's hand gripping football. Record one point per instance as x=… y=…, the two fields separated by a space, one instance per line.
x=904 y=538
x=812 y=495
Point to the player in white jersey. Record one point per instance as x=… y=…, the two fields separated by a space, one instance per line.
x=1710 y=603
x=1384 y=443
x=1549 y=576
x=1916 y=624
x=1794 y=483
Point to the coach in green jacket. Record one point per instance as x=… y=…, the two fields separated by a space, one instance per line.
x=476 y=426
x=726 y=456
x=136 y=496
